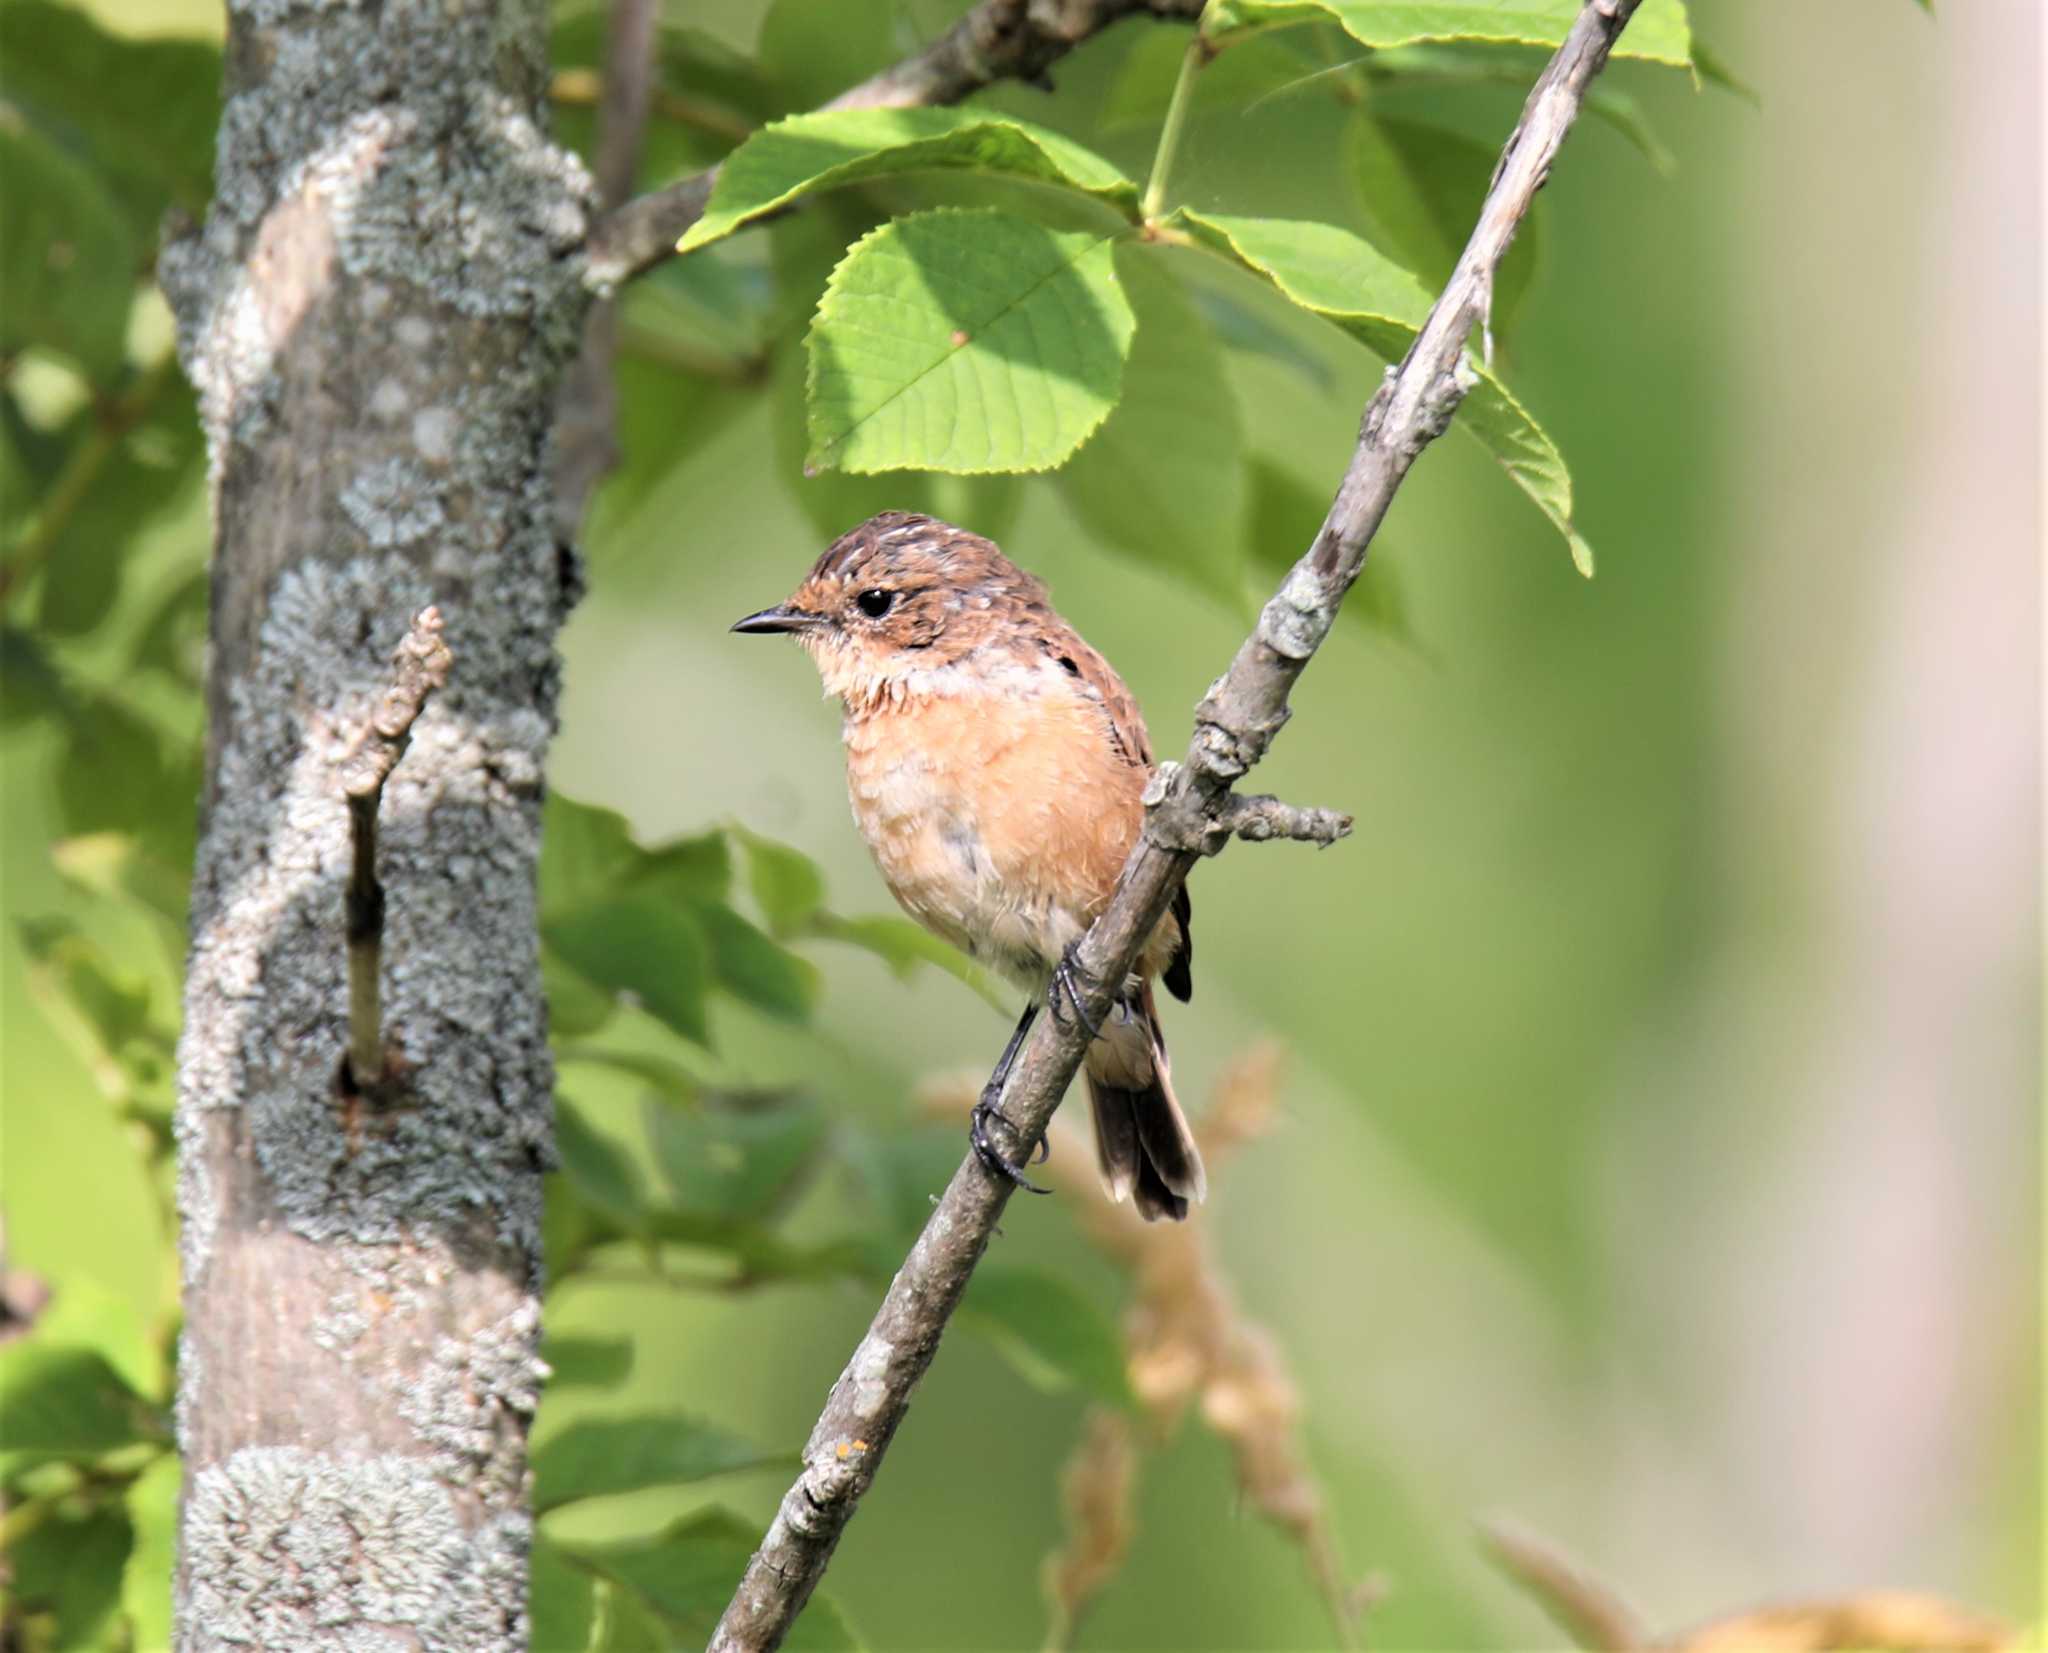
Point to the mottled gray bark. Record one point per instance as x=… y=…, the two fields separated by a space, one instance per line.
x=376 y=315
x=1191 y=811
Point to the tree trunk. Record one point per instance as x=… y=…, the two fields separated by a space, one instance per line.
x=376 y=314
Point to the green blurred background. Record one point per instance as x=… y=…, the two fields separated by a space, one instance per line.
x=1658 y=1162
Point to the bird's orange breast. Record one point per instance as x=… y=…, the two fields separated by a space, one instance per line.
x=1000 y=813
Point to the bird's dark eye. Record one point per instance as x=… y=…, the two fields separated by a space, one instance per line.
x=876 y=603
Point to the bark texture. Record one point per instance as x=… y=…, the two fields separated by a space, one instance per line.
x=376 y=315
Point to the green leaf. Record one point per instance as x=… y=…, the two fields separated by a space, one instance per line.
x=84 y=1314
x=787 y=886
x=102 y=1012
x=152 y=1504
x=1164 y=479
x=757 y=971
x=687 y=1573
x=563 y=1612
x=1234 y=81
x=906 y=947
x=597 y=1457
x=966 y=340
x=601 y=1175
x=586 y=854
x=835 y=501
x=67 y=1574
x=1715 y=70
x=65 y=1401
x=658 y=954
x=671 y=1079
x=1336 y=275
x=122 y=773
x=1658 y=32
x=735 y=1157
x=68 y=261
x=1287 y=514
x=586 y=1362
x=833 y=147
x=118 y=867
x=1054 y=1336
x=577 y=1006
x=152 y=465
x=1421 y=187
x=686 y=870
x=140 y=113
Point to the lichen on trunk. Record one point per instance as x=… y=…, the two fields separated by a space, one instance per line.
x=376 y=313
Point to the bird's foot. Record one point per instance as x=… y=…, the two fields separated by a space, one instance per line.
x=991 y=1156
x=1069 y=978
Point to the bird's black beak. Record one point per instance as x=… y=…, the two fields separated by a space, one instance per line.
x=782 y=618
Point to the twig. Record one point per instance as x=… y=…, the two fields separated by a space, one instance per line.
x=998 y=40
x=1235 y=724
x=1584 y=1608
x=587 y=406
x=418 y=668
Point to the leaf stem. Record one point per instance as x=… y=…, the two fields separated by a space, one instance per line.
x=1198 y=53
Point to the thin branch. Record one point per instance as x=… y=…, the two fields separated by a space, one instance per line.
x=998 y=40
x=1584 y=1608
x=1235 y=724
x=418 y=668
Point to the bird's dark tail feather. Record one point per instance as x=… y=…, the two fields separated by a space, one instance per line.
x=1142 y=1141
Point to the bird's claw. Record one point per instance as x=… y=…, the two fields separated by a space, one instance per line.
x=991 y=1156
x=1068 y=977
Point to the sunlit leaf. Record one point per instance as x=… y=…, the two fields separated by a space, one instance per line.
x=833 y=147
x=966 y=340
x=597 y=1457
x=1658 y=32
x=1336 y=275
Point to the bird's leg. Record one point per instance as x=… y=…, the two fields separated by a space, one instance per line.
x=1069 y=978
x=985 y=1109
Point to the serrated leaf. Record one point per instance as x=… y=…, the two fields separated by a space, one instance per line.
x=966 y=340
x=68 y=260
x=787 y=886
x=1050 y=1332
x=833 y=147
x=575 y=1362
x=1658 y=32
x=658 y=954
x=598 y=1457
x=152 y=1506
x=687 y=1573
x=66 y=1401
x=755 y=970
x=1163 y=480
x=734 y=1158
x=1421 y=187
x=1346 y=280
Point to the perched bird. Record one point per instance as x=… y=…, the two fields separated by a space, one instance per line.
x=995 y=764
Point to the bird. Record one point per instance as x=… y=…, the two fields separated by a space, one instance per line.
x=996 y=765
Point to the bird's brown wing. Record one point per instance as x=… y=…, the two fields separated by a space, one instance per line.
x=1126 y=728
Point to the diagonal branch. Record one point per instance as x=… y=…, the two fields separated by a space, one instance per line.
x=997 y=40
x=1234 y=725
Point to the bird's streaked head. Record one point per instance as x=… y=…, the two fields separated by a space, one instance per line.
x=898 y=595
